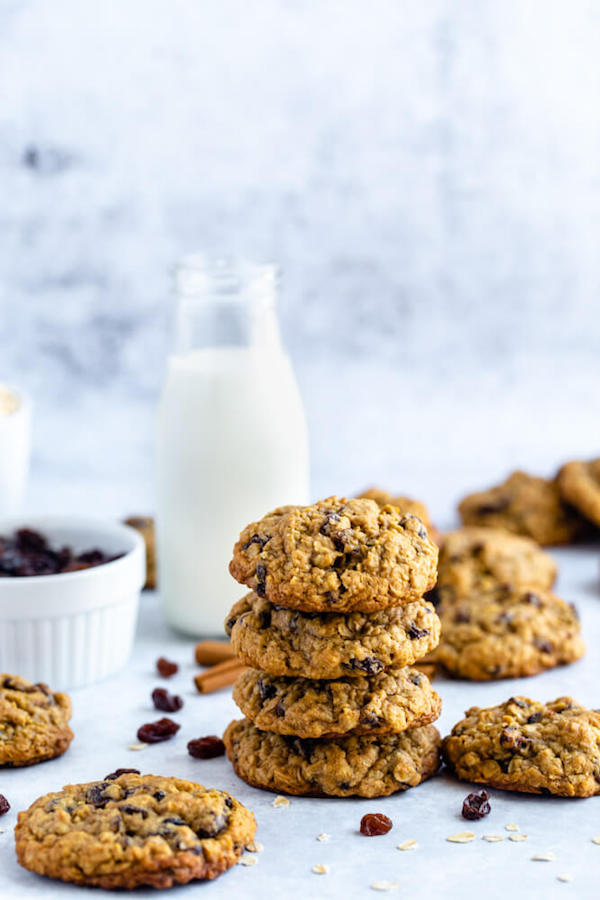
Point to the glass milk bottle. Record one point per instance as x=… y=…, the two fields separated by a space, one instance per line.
x=232 y=437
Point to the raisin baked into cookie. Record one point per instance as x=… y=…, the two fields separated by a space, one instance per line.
x=522 y=745
x=356 y=766
x=475 y=559
x=132 y=830
x=507 y=632
x=33 y=722
x=579 y=484
x=330 y=645
x=525 y=505
x=389 y=702
x=336 y=556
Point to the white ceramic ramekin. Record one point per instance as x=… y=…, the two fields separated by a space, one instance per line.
x=77 y=627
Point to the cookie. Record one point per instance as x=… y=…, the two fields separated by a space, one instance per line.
x=390 y=702
x=579 y=484
x=525 y=505
x=145 y=526
x=336 y=556
x=507 y=632
x=33 y=722
x=132 y=830
x=356 y=766
x=523 y=745
x=475 y=559
x=406 y=505
x=330 y=645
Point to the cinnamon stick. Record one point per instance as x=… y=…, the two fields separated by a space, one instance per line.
x=209 y=653
x=217 y=677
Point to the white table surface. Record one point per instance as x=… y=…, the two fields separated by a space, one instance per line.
x=106 y=717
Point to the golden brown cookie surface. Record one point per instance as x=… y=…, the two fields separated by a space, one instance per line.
x=507 y=632
x=132 y=830
x=527 y=505
x=330 y=645
x=337 y=555
x=389 y=702
x=523 y=745
x=356 y=766
x=406 y=505
x=33 y=722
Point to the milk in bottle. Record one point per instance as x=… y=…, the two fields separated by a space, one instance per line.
x=232 y=437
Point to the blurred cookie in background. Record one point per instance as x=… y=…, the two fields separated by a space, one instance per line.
x=507 y=632
x=579 y=484
x=527 y=505
x=145 y=526
x=476 y=559
x=406 y=505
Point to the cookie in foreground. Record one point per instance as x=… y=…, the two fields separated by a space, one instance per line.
x=130 y=830
x=523 y=745
x=330 y=645
x=33 y=722
x=390 y=702
x=357 y=766
x=405 y=505
x=528 y=505
x=507 y=632
x=337 y=555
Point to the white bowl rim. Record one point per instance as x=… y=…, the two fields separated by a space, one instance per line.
x=41 y=522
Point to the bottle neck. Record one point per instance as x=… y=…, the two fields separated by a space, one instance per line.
x=225 y=303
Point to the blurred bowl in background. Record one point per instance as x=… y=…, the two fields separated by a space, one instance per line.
x=72 y=628
x=15 y=447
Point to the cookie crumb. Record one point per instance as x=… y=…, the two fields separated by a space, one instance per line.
x=323 y=836
x=462 y=837
x=408 y=845
x=565 y=877
x=518 y=837
x=320 y=869
x=246 y=859
x=511 y=827
x=255 y=847
x=280 y=800
x=384 y=885
x=138 y=746
x=492 y=838
x=544 y=857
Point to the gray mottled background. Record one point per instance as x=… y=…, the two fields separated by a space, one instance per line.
x=427 y=174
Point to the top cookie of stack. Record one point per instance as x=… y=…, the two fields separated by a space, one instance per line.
x=337 y=555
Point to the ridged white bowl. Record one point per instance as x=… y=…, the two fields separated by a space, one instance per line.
x=78 y=627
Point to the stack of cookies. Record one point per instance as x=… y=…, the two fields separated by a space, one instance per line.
x=334 y=620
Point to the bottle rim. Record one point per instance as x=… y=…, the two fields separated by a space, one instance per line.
x=199 y=275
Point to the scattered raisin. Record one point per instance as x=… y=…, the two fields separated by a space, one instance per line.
x=165 y=701
x=374 y=824
x=154 y=732
x=476 y=805
x=119 y=772
x=4 y=805
x=206 y=747
x=166 y=668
